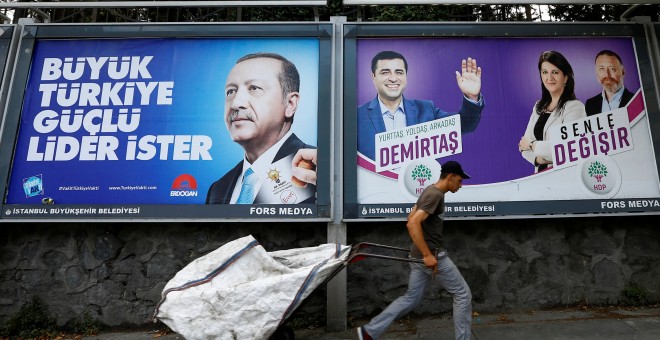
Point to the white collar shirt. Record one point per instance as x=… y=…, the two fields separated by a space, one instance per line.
x=614 y=103
x=393 y=120
x=261 y=167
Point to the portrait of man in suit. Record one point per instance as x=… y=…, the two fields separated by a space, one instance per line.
x=261 y=99
x=609 y=73
x=390 y=110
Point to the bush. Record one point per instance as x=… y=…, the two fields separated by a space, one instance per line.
x=31 y=321
x=86 y=326
x=634 y=295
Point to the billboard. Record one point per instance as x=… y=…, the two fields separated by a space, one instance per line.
x=187 y=122
x=476 y=98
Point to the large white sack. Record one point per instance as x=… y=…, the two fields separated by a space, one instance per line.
x=240 y=291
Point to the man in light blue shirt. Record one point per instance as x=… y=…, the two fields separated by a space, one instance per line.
x=390 y=110
x=610 y=73
x=261 y=99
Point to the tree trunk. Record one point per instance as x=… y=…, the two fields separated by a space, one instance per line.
x=528 y=12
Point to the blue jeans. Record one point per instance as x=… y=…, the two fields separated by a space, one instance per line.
x=450 y=279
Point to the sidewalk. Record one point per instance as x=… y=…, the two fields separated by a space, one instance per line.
x=606 y=323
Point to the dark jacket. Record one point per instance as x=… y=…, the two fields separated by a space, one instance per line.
x=595 y=103
x=221 y=190
x=370 y=119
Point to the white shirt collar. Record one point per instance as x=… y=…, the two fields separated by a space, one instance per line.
x=260 y=167
x=614 y=103
x=384 y=108
x=393 y=120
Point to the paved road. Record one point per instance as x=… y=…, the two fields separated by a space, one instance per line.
x=612 y=323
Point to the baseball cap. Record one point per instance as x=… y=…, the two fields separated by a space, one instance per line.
x=453 y=167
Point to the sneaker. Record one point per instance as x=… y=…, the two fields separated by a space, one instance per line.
x=363 y=335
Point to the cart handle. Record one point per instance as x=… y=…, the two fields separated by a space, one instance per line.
x=357 y=255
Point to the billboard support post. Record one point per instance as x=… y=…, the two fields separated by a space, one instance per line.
x=336 y=288
x=6 y=73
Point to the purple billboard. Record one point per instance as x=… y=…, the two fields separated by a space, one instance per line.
x=480 y=101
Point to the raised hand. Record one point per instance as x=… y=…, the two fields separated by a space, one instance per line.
x=469 y=80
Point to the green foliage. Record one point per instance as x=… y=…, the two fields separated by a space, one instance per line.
x=306 y=320
x=86 y=325
x=32 y=321
x=587 y=12
x=507 y=12
x=396 y=13
x=634 y=294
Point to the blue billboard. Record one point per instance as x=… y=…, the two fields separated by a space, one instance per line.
x=156 y=121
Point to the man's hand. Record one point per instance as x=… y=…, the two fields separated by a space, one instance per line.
x=469 y=80
x=430 y=261
x=414 y=226
x=303 y=167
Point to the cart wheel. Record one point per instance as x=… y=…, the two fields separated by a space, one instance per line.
x=283 y=333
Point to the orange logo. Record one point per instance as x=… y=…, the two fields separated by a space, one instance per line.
x=184 y=182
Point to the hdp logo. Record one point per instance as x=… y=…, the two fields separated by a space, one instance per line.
x=421 y=173
x=417 y=175
x=601 y=176
x=597 y=170
x=184 y=185
x=33 y=186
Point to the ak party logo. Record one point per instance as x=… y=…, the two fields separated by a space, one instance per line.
x=184 y=185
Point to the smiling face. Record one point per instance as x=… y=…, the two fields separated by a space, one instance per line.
x=609 y=72
x=553 y=79
x=257 y=114
x=390 y=79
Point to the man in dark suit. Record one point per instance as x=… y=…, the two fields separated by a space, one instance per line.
x=390 y=110
x=610 y=73
x=261 y=98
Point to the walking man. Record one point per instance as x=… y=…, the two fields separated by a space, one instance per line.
x=425 y=223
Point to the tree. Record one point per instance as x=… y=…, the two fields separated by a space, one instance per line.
x=507 y=13
x=400 y=13
x=597 y=13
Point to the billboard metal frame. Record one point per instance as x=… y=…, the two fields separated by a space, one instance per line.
x=8 y=42
x=535 y=209
x=158 y=213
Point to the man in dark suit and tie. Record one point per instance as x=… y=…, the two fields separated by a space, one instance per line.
x=261 y=99
x=610 y=73
x=390 y=110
